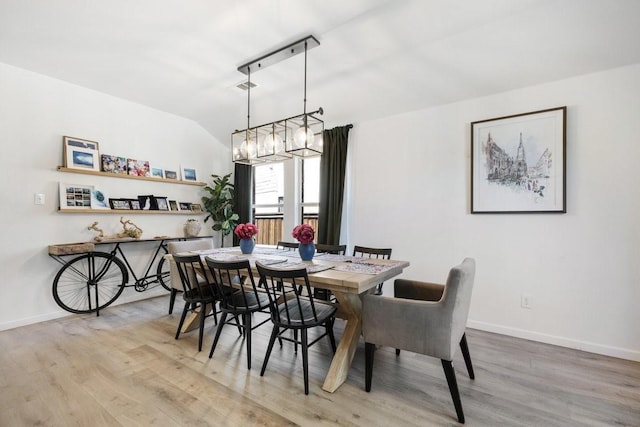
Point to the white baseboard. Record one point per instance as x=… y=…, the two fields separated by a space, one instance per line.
x=621 y=353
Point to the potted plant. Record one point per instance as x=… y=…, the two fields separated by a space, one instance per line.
x=219 y=205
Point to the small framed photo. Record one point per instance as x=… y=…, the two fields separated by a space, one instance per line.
x=148 y=202
x=518 y=163
x=196 y=207
x=114 y=164
x=75 y=196
x=188 y=174
x=138 y=167
x=120 y=204
x=184 y=206
x=170 y=174
x=173 y=205
x=80 y=153
x=99 y=200
x=163 y=205
x=157 y=172
x=135 y=204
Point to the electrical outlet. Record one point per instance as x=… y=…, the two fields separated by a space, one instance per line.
x=525 y=301
x=38 y=199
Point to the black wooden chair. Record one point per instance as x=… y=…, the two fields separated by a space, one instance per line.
x=291 y=310
x=325 y=294
x=198 y=293
x=240 y=298
x=363 y=251
x=287 y=246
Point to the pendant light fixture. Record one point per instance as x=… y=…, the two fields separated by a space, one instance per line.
x=299 y=135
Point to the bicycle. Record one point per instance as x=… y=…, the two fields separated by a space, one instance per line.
x=95 y=279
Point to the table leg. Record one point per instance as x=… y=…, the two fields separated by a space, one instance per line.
x=350 y=309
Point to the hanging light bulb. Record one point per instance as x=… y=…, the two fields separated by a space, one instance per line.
x=303 y=137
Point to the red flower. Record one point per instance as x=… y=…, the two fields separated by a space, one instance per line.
x=304 y=233
x=245 y=231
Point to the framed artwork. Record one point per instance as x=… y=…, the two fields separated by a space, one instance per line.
x=148 y=202
x=135 y=204
x=518 y=163
x=170 y=174
x=80 y=153
x=138 y=167
x=173 y=205
x=99 y=200
x=120 y=204
x=114 y=164
x=184 y=206
x=188 y=174
x=75 y=196
x=157 y=172
x=196 y=207
x=163 y=205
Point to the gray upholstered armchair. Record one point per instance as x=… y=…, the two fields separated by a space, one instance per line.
x=424 y=318
x=178 y=247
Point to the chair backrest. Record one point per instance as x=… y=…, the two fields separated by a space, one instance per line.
x=234 y=282
x=363 y=251
x=456 y=298
x=193 y=276
x=185 y=246
x=331 y=249
x=290 y=296
x=290 y=246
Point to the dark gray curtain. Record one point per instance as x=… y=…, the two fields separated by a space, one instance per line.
x=333 y=165
x=242 y=183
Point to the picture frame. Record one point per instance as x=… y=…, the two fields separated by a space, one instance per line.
x=184 y=206
x=196 y=207
x=188 y=174
x=114 y=164
x=138 y=167
x=80 y=153
x=75 y=196
x=518 y=163
x=168 y=174
x=99 y=200
x=148 y=202
x=157 y=172
x=120 y=204
x=134 y=204
x=162 y=203
x=173 y=205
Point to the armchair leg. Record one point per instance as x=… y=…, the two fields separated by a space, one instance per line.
x=450 y=373
x=467 y=357
x=369 y=350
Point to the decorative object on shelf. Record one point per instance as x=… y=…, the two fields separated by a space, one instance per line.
x=188 y=174
x=518 y=163
x=157 y=172
x=80 y=153
x=99 y=200
x=245 y=233
x=192 y=227
x=305 y=234
x=170 y=174
x=162 y=204
x=173 y=205
x=138 y=167
x=298 y=135
x=129 y=229
x=114 y=164
x=196 y=207
x=149 y=202
x=184 y=206
x=75 y=196
x=135 y=204
x=120 y=204
x=219 y=205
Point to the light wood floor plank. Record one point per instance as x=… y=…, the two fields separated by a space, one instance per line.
x=125 y=368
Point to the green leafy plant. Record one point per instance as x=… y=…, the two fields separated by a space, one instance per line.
x=219 y=205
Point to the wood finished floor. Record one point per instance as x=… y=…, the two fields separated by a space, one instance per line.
x=125 y=368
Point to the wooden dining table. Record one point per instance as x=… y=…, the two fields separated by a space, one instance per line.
x=348 y=278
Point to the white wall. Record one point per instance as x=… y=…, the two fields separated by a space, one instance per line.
x=35 y=112
x=410 y=191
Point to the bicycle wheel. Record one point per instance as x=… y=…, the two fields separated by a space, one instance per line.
x=89 y=282
x=164 y=274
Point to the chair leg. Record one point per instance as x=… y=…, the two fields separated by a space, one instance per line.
x=450 y=373
x=223 y=319
x=172 y=299
x=329 y=328
x=247 y=332
x=295 y=340
x=184 y=316
x=305 y=359
x=467 y=357
x=369 y=350
x=203 y=307
x=272 y=340
x=379 y=289
x=397 y=352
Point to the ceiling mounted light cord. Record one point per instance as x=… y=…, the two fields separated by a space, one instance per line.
x=299 y=135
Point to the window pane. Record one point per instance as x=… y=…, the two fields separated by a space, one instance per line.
x=311 y=186
x=269 y=188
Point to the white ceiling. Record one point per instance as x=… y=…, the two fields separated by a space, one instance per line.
x=376 y=57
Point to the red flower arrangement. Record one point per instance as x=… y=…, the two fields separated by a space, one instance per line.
x=304 y=234
x=245 y=231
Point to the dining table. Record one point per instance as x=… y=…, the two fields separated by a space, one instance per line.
x=348 y=278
